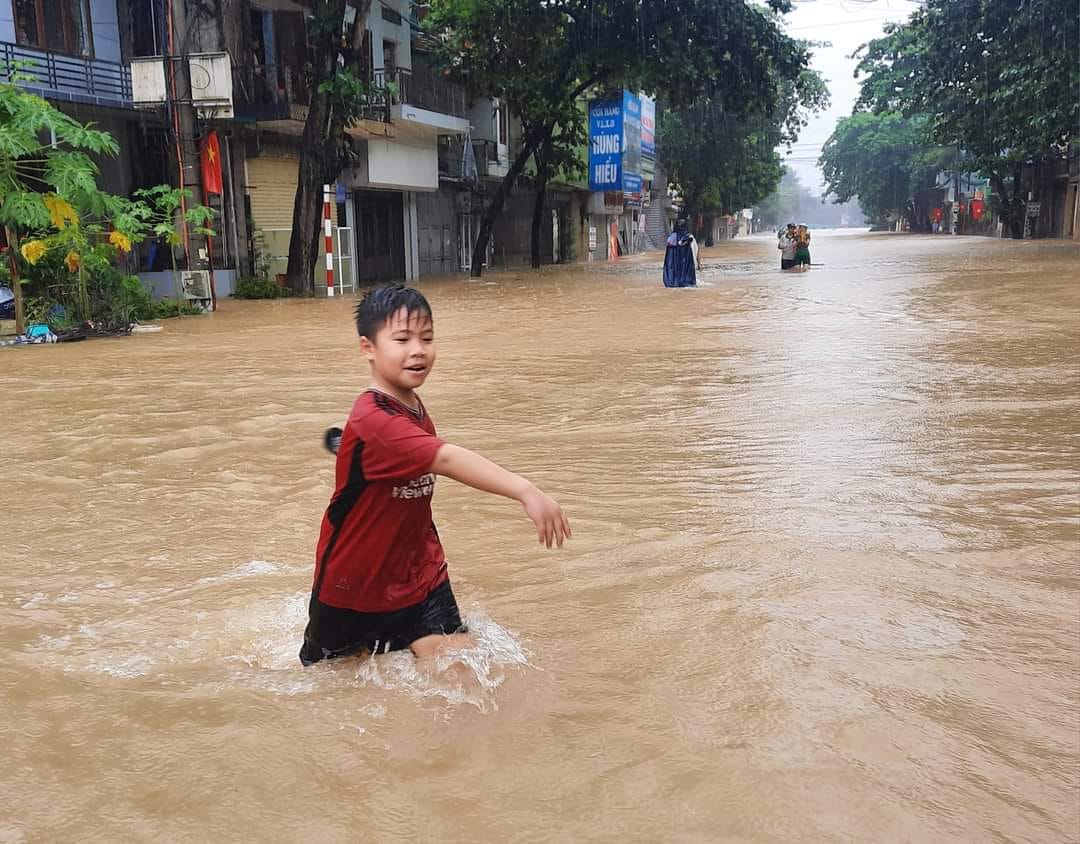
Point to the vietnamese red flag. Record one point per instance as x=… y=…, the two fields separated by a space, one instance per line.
x=211 y=164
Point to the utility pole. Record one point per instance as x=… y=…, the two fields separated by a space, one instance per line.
x=182 y=111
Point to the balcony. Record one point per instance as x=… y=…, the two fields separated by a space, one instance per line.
x=278 y=98
x=71 y=78
x=489 y=163
x=424 y=99
x=451 y=160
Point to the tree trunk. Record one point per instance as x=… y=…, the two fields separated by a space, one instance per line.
x=538 y=222
x=532 y=140
x=1008 y=205
x=16 y=284
x=322 y=148
x=307 y=212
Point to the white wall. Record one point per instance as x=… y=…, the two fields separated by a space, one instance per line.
x=402 y=166
x=382 y=30
x=7 y=22
x=482 y=118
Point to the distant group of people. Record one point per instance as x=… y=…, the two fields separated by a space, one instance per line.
x=682 y=260
x=794 y=246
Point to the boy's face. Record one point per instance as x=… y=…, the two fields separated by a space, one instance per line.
x=402 y=352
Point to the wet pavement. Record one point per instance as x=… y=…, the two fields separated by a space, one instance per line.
x=823 y=583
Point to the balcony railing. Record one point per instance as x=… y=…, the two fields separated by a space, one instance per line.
x=453 y=163
x=73 y=78
x=424 y=88
x=275 y=92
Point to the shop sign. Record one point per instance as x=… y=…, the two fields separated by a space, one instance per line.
x=605 y=145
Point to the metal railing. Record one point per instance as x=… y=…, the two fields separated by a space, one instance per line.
x=108 y=83
x=453 y=163
x=424 y=88
x=278 y=92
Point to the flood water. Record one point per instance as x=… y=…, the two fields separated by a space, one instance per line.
x=823 y=584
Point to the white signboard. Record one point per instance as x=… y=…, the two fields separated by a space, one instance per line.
x=592 y=238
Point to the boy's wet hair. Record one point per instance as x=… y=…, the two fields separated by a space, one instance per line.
x=378 y=305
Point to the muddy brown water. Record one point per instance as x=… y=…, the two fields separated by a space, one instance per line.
x=823 y=584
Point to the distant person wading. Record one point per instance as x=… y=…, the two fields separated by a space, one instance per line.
x=681 y=260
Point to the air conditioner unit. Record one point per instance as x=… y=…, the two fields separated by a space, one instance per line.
x=195 y=284
x=211 y=84
x=148 y=81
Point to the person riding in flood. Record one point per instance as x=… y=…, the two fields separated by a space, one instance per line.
x=681 y=260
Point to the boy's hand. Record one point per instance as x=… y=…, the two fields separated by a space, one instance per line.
x=552 y=528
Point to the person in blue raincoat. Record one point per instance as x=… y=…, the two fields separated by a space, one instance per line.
x=681 y=258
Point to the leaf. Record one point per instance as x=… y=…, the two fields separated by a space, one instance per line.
x=25 y=210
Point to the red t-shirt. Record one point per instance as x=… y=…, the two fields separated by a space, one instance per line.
x=378 y=549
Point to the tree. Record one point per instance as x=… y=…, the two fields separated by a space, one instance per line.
x=541 y=57
x=722 y=162
x=338 y=96
x=996 y=79
x=159 y=211
x=882 y=160
x=50 y=202
x=782 y=205
x=560 y=154
x=51 y=186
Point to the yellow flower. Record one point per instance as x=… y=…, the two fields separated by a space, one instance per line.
x=32 y=251
x=120 y=240
x=60 y=212
x=72 y=261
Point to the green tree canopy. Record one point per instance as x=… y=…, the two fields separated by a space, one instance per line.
x=722 y=161
x=540 y=57
x=998 y=80
x=882 y=160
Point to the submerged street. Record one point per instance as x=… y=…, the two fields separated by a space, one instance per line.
x=822 y=584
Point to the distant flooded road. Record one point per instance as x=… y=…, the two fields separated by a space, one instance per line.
x=823 y=584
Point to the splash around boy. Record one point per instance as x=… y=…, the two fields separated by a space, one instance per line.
x=381 y=580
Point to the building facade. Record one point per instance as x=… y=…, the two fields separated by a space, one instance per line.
x=161 y=75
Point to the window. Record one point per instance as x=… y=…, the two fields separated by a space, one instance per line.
x=145 y=28
x=502 y=124
x=389 y=58
x=61 y=26
x=390 y=16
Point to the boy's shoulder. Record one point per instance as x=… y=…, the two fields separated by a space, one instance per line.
x=374 y=411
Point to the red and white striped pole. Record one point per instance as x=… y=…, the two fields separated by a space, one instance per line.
x=328 y=238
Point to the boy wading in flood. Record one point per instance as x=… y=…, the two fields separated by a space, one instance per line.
x=380 y=573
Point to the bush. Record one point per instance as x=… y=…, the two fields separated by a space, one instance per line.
x=253 y=288
x=168 y=308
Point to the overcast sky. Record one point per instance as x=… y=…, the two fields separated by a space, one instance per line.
x=845 y=24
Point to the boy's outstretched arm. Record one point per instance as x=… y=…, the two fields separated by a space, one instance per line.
x=470 y=468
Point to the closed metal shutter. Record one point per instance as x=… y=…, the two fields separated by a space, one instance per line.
x=271 y=184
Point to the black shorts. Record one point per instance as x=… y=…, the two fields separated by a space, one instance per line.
x=787 y=263
x=333 y=631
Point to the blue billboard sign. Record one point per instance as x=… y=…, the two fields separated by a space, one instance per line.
x=631 y=157
x=605 y=145
x=648 y=136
